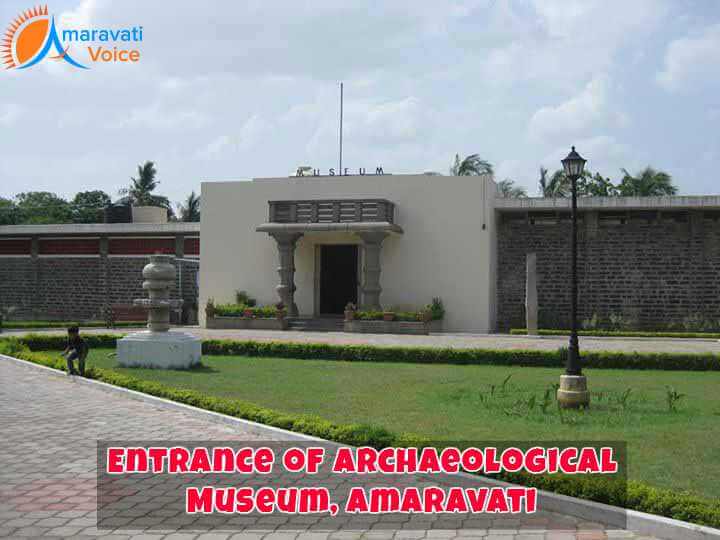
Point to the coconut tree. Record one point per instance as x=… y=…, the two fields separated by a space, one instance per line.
x=596 y=186
x=190 y=209
x=509 y=190
x=472 y=165
x=558 y=185
x=646 y=183
x=140 y=191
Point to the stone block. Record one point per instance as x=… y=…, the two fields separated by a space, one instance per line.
x=163 y=350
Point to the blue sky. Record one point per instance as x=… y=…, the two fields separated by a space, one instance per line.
x=234 y=90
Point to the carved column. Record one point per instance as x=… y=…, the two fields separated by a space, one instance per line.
x=372 y=242
x=286 y=243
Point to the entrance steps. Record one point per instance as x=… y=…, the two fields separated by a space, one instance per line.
x=316 y=325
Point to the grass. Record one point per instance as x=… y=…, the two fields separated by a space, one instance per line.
x=677 y=450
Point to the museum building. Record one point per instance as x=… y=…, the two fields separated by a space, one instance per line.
x=392 y=242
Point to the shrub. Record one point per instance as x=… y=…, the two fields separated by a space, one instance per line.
x=433 y=355
x=620 y=333
x=243 y=298
x=437 y=309
x=416 y=355
x=238 y=310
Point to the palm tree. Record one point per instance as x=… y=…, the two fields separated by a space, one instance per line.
x=472 y=165
x=596 y=186
x=140 y=192
x=557 y=186
x=507 y=189
x=648 y=182
x=190 y=210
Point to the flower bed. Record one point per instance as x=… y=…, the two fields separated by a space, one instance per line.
x=391 y=321
x=242 y=316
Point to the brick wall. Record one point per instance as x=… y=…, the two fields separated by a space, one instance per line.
x=644 y=269
x=70 y=288
x=73 y=279
x=17 y=283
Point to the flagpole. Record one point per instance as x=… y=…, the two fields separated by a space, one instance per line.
x=340 y=170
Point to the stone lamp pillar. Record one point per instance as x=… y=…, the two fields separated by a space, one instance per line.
x=157 y=347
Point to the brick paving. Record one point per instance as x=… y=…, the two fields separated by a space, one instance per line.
x=461 y=341
x=48 y=432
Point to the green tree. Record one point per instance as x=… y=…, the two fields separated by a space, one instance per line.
x=87 y=206
x=509 y=190
x=558 y=185
x=140 y=191
x=8 y=212
x=646 y=183
x=472 y=165
x=38 y=207
x=596 y=186
x=190 y=209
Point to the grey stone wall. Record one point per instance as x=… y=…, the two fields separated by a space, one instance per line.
x=77 y=288
x=17 y=283
x=644 y=270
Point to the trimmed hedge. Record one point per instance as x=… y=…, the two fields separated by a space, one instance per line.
x=434 y=355
x=64 y=324
x=637 y=496
x=619 y=333
x=238 y=310
x=417 y=355
x=45 y=342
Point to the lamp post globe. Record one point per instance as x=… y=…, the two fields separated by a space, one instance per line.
x=573 y=392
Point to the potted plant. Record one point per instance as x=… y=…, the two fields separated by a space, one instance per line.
x=280 y=312
x=209 y=308
x=426 y=316
x=350 y=310
x=248 y=312
x=388 y=316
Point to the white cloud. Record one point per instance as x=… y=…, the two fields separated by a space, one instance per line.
x=9 y=114
x=605 y=154
x=692 y=61
x=157 y=116
x=573 y=116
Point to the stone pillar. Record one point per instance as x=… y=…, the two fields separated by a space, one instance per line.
x=105 y=275
x=286 y=243
x=36 y=302
x=531 y=299
x=372 y=242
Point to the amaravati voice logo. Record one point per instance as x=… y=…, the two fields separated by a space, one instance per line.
x=29 y=39
x=33 y=35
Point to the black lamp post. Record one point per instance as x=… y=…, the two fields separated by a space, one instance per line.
x=573 y=385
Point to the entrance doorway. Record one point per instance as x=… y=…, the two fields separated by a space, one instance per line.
x=338 y=278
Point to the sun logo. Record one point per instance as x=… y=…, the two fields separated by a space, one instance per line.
x=29 y=39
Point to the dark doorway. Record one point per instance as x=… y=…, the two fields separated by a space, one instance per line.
x=338 y=278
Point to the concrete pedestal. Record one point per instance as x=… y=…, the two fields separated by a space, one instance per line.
x=573 y=392
x=163 y=350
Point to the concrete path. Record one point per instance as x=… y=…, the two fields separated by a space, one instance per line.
x=481 y=341
x=48 y=431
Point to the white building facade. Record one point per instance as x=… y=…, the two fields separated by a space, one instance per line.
x=379 y=241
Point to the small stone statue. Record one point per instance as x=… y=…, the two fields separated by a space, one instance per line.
x=157 y=347
x=159 y=277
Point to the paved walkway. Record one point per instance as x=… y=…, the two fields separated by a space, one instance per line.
x=481 y=341
x=49 y=425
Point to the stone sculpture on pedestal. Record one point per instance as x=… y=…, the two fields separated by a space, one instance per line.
x=157 y=347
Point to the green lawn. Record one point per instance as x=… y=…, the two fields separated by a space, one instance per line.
x=679 y=450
